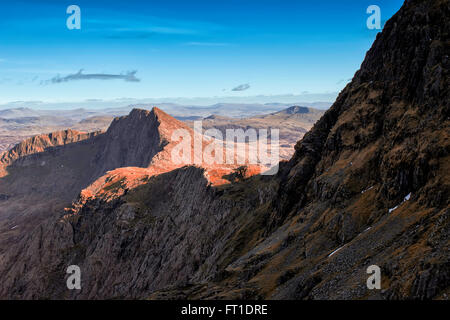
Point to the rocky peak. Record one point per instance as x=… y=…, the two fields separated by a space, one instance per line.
x=133 y=140
x=141 y=123
x=42 y=142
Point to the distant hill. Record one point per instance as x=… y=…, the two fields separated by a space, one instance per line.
x=21 y=123
x=17 y=113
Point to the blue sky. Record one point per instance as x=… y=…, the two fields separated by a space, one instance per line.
x=183 y=48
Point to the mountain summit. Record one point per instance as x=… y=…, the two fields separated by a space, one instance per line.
x=135 y=139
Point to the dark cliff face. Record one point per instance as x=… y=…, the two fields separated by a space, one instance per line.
x=386 y=139
x=132 y=140
x=368 y=185
x=390 y=113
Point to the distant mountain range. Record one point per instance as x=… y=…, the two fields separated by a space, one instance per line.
x=21 y=123
x=168 y=103
x=177 y=110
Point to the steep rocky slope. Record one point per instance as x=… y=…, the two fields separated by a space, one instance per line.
x=43 y=175
x=369 y=184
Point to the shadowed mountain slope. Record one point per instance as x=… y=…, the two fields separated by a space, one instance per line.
x=44 y=174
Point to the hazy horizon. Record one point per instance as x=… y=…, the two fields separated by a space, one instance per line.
x=98 y=104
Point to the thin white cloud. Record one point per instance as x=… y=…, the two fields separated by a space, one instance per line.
x=143 y=27
x=208 y=44
x=143 y=33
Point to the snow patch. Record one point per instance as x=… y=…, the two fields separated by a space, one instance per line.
x=405 y=199
x=364 y=191
x=335 y=251
x=392 y=209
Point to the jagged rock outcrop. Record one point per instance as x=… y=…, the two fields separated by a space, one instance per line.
x=133 y=140
x=368 y=185
x=40 y=143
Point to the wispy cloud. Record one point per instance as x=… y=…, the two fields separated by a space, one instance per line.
x=129 y=76
x=143 y=27
x=129 y=35
x=241 y=87
x=19 y=81
x=145 y=33
x=208 y=44
x=5 y=80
